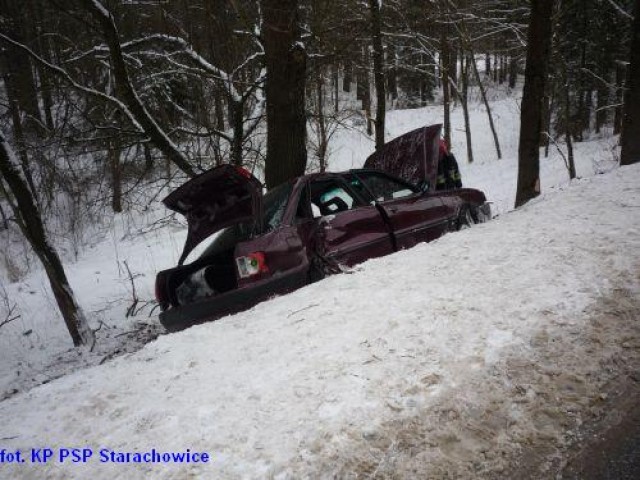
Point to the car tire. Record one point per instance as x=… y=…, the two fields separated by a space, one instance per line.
x=465 y=218
x=317 y=270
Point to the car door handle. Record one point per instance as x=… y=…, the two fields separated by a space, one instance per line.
x=393 y=209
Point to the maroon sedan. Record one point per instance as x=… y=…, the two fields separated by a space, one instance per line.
x=295 y=234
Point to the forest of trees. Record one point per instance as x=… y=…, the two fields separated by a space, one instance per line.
x=100 y=99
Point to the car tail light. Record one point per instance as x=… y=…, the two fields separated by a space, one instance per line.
x=244 y=172
x=252 y=264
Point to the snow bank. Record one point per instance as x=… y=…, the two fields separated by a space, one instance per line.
x=36 y=348
x=449 y=357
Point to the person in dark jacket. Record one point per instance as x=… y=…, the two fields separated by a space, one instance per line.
x=448 y=172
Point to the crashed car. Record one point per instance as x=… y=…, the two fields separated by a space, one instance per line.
x=305 y=228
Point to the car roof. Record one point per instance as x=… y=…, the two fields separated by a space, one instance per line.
x=317 y=175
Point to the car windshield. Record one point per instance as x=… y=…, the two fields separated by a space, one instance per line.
x=274 y=203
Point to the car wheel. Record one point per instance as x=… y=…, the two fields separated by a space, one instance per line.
x=465 y=218
x=317 y=269
x=321 y=267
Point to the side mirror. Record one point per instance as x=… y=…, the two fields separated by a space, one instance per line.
x=424 y=186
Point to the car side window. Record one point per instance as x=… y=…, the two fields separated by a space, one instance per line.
x=384 y=188
x=329 y=197
x=356 y=184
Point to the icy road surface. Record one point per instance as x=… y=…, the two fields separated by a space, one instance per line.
x=452 y=358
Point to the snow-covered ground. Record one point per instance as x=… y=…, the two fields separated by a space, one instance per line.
x=451 y=357
x=36 y=347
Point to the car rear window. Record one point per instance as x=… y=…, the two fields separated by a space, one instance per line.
x=274 y=205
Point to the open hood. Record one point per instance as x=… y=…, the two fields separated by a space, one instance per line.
x=220 y=197
x=412 y=157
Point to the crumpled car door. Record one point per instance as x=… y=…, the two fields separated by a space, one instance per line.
x=414 y=216
x=417 y=218
x=349 y=231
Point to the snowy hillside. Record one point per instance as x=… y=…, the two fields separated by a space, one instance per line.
x=36 y=348
x=508 y=349
x=458 y=356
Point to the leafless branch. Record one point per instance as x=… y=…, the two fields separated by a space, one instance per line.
x=620 y=10
x=132 y=308
x=9 y=307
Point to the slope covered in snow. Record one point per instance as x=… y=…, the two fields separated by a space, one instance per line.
x=450 y=357
x=36 y=348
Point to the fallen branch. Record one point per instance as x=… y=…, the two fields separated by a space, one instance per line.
x=555 y=144
x=302 y=309
x=10 y=308
x=9 y=318
x=131 y=311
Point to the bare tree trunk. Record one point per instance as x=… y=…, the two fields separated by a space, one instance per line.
x=116 y=175
x=148 y=159
x=392 y=75
x=620 y=77
x=572 y=163
x=364 y=89
x=322 y=128
x=347 y=77
x=22 y=146
x=128 y=93
x=426 y=81
x=567 y=129
x=220 y=124
x=336 y=90
x=486 y=104
x=546 y=120
x=360 y=76
x=513 y=72
x=588 y=108
x=378 y=71
x=30 y=222
x=286 y=62
x=236 y=112
x=17 y=68
x=582 y=112
x=464 y=100
x=446 y=87
x=219 y=110
x=538 y=53
x=167 y=168
x=5 y=221
x=453 y=61
x=42 y=48
x=547 y=110
x=631 y=122
x=603 y=100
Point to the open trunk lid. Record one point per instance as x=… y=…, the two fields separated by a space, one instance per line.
x=412 y=157
x=218 y=198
